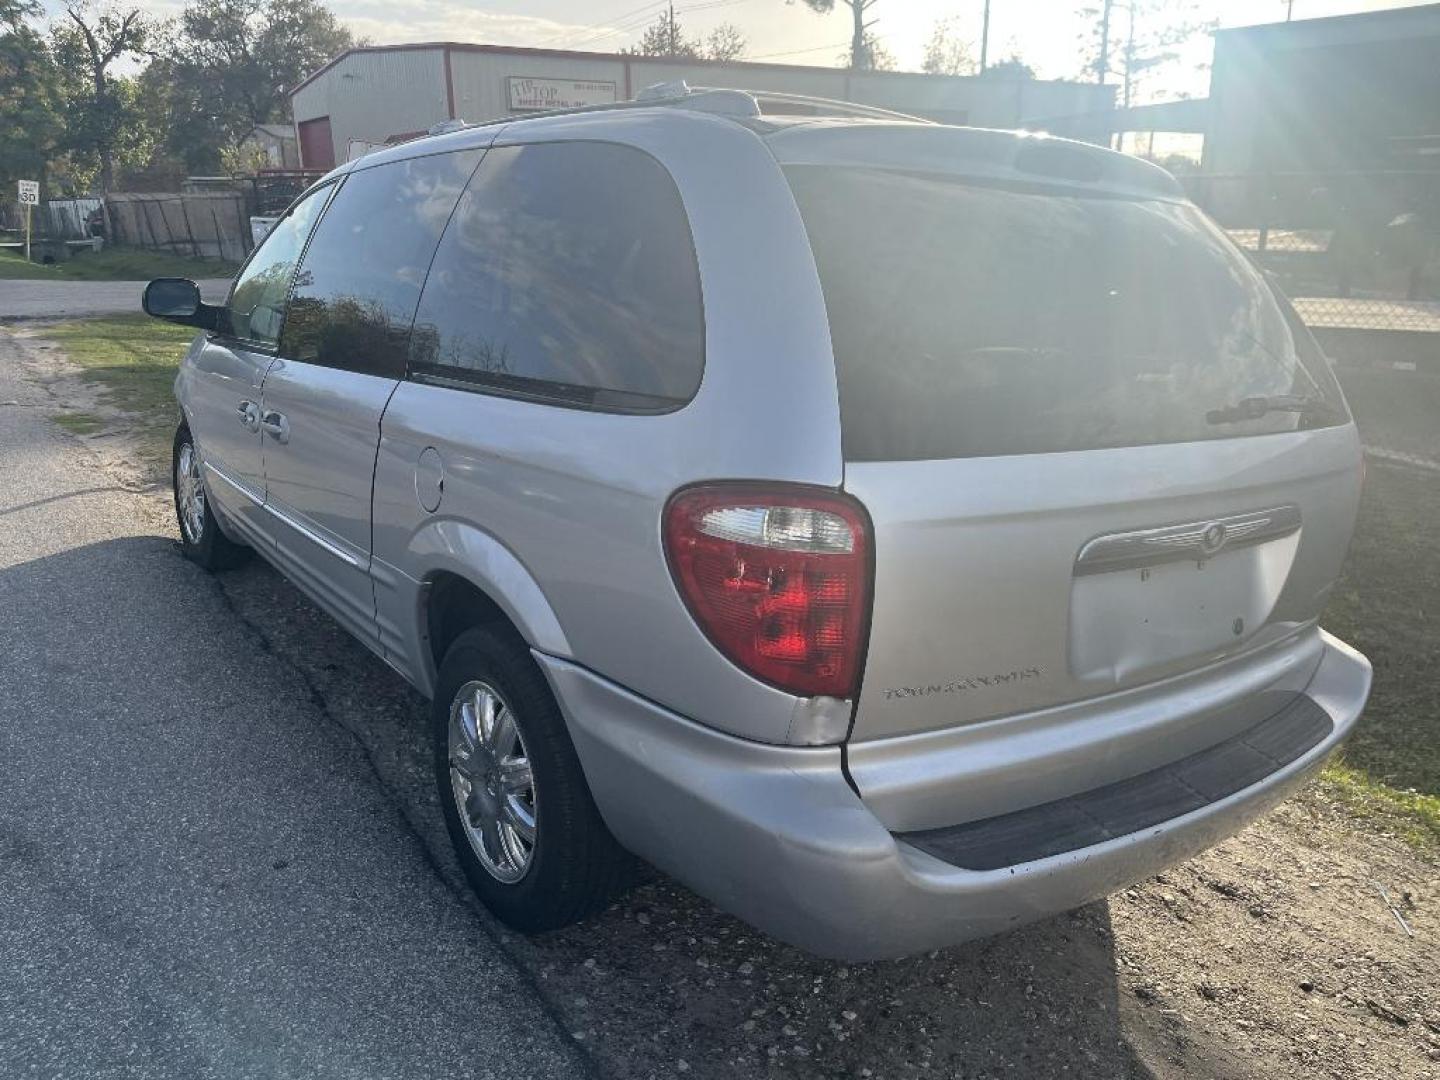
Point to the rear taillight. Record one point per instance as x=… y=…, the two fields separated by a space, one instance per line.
x=778 y=578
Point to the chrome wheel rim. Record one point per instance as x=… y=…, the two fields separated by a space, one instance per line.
x=492 y=782
x=190 y=493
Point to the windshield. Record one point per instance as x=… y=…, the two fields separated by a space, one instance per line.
x=971 y=319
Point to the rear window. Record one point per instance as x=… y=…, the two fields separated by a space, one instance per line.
x=973 y=320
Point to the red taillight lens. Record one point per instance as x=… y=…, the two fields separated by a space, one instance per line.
x=778 y=578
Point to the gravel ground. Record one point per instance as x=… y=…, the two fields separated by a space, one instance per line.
x=1272 y=955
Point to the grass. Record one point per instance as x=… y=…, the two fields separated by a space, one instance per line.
x=132 y=360
x=1387 y=604
x=114 y=264
x=1411 y=815
x=81 y=423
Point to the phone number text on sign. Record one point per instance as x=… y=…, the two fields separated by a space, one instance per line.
x=528 y=94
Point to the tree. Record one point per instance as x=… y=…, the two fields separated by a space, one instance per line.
x=666 y=37
x=31 y=113
x=946 y=53
x=725 y=42
x=1153 y=32
x=866 y=52
x=13 y=13
x=229 y=64
x=101 y=112
x=1012 y=67
x=874 y=56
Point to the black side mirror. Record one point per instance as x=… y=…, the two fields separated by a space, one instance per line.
x=178 y=300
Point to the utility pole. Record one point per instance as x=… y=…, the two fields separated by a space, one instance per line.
x=1102 y=68
x=1129 y=53
x=859 y=55
x=985 y=39
x=674 y=50
x=1289 y=10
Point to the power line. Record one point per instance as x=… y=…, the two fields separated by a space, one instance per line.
x=619 y=28
x=797 y=52
x=634 y=20
x=708 y=5
x=605 y=29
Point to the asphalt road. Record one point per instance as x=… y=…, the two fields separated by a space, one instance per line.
x=66 y=299
x=201 y=873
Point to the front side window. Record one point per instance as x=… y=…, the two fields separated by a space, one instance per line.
x=257 y=301
x=357 y=285
x=974 y=319
x=568 y=274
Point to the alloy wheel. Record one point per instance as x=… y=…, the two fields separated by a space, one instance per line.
x=190 y=493
x=492 y=782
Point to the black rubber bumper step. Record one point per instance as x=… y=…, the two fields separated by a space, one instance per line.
x=1130 y=806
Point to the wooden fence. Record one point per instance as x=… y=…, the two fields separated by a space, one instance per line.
x=209 y=224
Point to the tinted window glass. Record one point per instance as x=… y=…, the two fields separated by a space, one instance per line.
x=357 y=285
x=567 y=271
x=257 y=301
x=975 y=320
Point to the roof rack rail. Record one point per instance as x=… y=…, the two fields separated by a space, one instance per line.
x=752 y=103
x=824 y=106
x=720 y=101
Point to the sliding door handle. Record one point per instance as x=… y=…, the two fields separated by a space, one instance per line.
x=276 y=426
x=248 y=413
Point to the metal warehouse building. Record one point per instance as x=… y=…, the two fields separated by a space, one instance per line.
x=374 y=94
x=1343 y=93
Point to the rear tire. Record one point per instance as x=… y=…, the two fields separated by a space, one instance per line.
x=520 y=815
x=201 y=538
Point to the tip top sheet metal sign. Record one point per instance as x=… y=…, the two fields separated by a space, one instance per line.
x=529 y=94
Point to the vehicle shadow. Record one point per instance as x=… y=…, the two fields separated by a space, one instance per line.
x=663 y=984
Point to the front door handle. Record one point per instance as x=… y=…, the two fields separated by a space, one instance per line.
x=276 y=426
x=248 y=413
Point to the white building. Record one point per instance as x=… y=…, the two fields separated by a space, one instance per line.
x=374 y=94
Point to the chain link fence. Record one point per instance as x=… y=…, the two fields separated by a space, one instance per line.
x=1356 y=251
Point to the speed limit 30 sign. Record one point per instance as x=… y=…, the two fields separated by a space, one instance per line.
x=29 y=192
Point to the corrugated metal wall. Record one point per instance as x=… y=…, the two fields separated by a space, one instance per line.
x=373 y=95
x=480 y=79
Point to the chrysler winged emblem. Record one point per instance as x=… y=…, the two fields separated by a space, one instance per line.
x=1190 y=540
x=1212 y=539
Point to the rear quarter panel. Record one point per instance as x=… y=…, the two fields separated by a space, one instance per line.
x=575 y=497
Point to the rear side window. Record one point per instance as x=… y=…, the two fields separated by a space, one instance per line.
x=567 y=274
x=971 y=320
x=359 y=280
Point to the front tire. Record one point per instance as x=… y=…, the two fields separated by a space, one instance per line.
x=200 y=537
x=519 y=812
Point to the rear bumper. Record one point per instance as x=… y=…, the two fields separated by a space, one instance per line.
x=778 y=837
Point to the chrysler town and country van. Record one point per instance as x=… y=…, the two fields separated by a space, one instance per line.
x=895 y=532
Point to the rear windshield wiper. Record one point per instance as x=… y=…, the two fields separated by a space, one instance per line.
x=1252 y=408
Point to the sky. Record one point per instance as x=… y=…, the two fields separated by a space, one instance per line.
x=1043 y=32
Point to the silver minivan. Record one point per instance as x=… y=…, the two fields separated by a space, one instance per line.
x=895 y=532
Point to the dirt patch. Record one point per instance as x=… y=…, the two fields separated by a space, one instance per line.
x=87 y=410
x=1274 y=954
